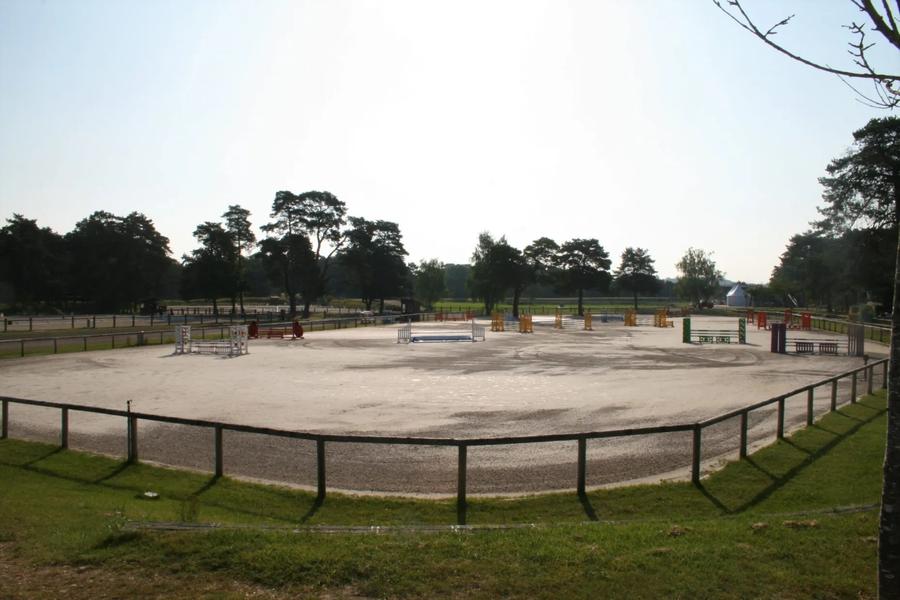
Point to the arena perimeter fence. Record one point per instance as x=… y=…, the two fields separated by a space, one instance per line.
x=20 y=347
x=462 y=445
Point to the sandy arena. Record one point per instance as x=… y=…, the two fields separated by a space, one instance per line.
x=361 y=381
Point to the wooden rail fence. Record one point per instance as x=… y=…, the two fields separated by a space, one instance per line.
x=132 y=419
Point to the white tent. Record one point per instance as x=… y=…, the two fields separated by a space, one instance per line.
x=737 y=296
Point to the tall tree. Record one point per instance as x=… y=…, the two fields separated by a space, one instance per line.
x=237 y=223
x=374 y=252
x=583 y=265
x=210 y=270
x=496 y=267
x=636 y=273
x=319 y=215
x=863 y=188
x=882 y=21
x=430 y=282
x=32 y=262
x=699 y=276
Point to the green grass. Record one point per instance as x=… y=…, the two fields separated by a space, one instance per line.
x=651 y=541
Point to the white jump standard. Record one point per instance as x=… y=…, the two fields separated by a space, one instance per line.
x=235 y=345
x=406 y=334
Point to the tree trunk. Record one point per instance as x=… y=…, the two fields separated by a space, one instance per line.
x=307 y=302
x=635 y=300
x=381 y=306
x=517 y=294
x=580 y=302
x=241 y=295
x=889 y=532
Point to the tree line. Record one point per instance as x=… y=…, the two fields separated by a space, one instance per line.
x=848 y=256
x=312 y=248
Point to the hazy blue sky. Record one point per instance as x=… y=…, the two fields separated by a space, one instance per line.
x=653 y=123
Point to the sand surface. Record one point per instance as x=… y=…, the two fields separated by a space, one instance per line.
x=361 y=381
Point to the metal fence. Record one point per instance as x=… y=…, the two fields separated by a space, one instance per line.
x=462 y=445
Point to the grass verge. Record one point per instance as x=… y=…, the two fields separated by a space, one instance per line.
x=794 y=520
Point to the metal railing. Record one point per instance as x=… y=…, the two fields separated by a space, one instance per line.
x=462 y=445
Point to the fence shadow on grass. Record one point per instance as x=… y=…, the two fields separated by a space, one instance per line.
x=588 y=507
x=779 y=481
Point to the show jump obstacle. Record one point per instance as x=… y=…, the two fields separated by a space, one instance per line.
x=714 y=336
x=235 y=345
x=499 y=321
x=294 y=332
x=853 y=345
x=406 y=334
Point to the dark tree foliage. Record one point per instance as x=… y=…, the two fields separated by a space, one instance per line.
x=862 y=187
x=375 y=254
x=583 y=264
x=116 y=262
x=430 y=282
x=837 y=271
x=636 y=273
x=211 y=270
x=32 y=263
x=497 y=267
x=812 y=270
x=457 y=277
x=290 y=262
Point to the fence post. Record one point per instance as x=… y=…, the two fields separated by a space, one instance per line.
x=809 y=406
x=461 y=486
x=30 y=323
x=64 y=429
x=695 y=459
x=582 y=465
x=4 y=420
x=744 y=419
x=834 y=395
x=84 y=339
x=220 y=470
x=320 y=470
x=780 y=430
x=853 y=388
x=870 y=375
x=22 y=348
x=114 y=321
x=132 y=439
x=884 y=370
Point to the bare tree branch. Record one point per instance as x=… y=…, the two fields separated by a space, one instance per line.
x=887 y=95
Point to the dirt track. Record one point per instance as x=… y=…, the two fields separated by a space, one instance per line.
x=361 y=381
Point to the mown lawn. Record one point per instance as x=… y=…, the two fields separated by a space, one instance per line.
x=796 y=520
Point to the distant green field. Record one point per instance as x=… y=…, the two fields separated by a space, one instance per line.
x=797 y=519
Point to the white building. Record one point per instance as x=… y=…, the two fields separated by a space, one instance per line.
x=738 y=296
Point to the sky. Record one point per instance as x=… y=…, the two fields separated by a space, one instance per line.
x=650 y=123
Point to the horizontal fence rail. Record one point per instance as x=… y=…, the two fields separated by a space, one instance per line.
x=321 y=439
x=20 y=347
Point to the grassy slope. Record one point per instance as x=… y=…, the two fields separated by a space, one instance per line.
x=670 y=540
